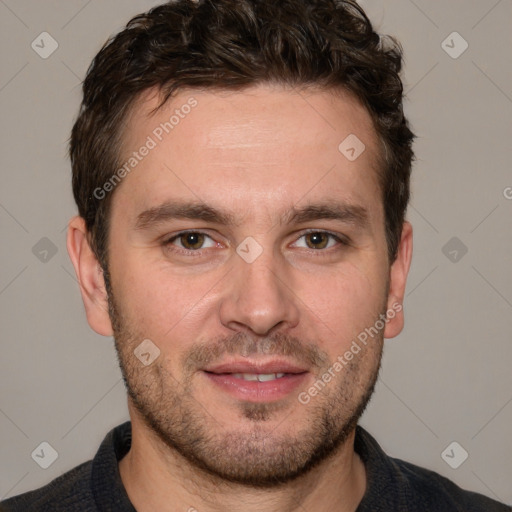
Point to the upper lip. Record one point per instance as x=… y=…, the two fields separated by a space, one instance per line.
x=246 y=366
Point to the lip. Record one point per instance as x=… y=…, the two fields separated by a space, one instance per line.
x=255 y=391
x=245 y=366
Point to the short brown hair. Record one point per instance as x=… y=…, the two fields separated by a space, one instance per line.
x=234 y=44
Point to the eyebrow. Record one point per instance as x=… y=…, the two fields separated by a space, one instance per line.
x=356 y=215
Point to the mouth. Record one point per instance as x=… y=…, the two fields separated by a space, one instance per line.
x=255 y=381
x=260 y=377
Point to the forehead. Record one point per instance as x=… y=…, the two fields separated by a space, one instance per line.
x=263 y=147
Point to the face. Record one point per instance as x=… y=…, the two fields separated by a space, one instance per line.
x=251 y=252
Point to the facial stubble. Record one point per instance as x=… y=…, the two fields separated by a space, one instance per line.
x=255 y=455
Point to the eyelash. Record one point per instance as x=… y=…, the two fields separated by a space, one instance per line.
x=317 y=252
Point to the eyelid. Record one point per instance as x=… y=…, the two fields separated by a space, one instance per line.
x=169 y=239
x=341 y=239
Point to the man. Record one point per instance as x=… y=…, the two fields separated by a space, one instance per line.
x=241 y=170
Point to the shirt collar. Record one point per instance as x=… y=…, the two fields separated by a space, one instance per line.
x=107 y=487
x=383 y=477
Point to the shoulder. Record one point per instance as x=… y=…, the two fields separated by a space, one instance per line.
x=439 y=493
x=92 y=486
x=69 y=492
x=394 y=484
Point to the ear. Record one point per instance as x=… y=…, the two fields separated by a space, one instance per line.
x=397 y=281
x=90 y=277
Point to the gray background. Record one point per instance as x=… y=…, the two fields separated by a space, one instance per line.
x=445 y=378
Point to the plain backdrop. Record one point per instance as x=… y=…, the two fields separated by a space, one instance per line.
x=445 y=379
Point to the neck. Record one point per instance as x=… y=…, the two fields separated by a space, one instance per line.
x=156 y=477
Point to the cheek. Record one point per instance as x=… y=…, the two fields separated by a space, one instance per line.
x=343 y=304
x=160 y=304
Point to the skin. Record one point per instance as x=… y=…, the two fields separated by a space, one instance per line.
x=255 y=153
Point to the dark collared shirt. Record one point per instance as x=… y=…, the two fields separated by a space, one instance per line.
x=392 y=484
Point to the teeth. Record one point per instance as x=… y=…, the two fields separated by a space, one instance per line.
x=264 y=377
x=261 y=377
x=246 y=376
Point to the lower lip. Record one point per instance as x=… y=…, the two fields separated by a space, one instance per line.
x=255 y=391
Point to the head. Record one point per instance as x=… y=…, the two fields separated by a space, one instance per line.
x=273 y=133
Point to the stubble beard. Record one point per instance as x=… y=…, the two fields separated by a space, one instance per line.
x=254 y=456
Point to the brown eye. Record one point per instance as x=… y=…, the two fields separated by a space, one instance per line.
x=317 y=240
x=320 y=240
x=191 y=241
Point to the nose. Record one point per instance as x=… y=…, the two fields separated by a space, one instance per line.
x=259 y=297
